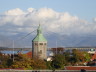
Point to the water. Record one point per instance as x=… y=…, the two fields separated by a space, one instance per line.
x=49 y=53
x=15 y=52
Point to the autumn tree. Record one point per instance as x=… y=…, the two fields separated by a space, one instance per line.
x=23 y=61
x=87 y=56
x=48 y=64
x=3 y=60
x=68 y=56
x=77 y=57
x=39 y=64
x=58 y=61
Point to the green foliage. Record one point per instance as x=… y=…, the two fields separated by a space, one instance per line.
x=39 y=64
x=3 y=60
x=67 y=56
x=58 y=61
x=9 y=62
x=87 y=56
x=22 y=61
x=48 y=64
x=25 y=64
x=78 y=55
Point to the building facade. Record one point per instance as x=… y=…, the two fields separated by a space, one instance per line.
x=39 y=45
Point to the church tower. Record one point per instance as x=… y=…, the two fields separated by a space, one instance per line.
x=39 y=45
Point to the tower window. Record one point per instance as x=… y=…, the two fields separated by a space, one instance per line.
x=36 y=44
x=40 y=52
x=41 y=43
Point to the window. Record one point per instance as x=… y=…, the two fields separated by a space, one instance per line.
x=40 y=52
x=41 y=43
x=36 y=43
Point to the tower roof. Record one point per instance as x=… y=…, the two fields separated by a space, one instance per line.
x=39 y=37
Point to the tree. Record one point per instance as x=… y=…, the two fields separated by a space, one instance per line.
x=77 y=57
x=67 y=57
x=58 y=61
x=48 y=64
x=39 y=64
x=3 y=60
x=87 y=56
x=23 y=61
x=25 y=64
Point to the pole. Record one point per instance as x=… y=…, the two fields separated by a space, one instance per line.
x=13 y=50
x=56 y=46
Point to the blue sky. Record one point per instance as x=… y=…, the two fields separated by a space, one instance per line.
x=63 y=17
x=85 y=9
x=72 y=16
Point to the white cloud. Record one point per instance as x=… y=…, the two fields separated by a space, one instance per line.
x=62 y=23
x=46 y=13
x=16 y=11
x=94 y=19
x=30 y=9
x=65 y=17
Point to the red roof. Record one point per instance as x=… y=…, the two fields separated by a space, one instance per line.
x=93 y=57
x=80 y=67
x=29 y=54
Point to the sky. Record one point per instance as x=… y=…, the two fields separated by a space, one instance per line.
x=84 y=9
x=62 y=17
x=24 y=15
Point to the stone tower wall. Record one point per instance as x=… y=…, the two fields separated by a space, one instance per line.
x=40 y=49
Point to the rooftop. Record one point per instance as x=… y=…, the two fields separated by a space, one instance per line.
x=39 y=37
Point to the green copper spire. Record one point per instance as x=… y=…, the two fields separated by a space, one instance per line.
x=39 y=37
x=39 y=30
